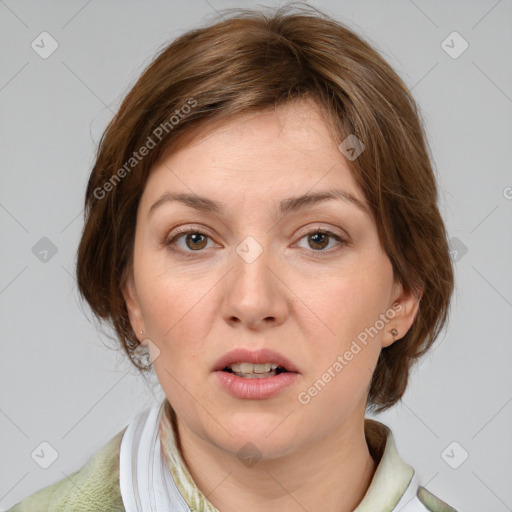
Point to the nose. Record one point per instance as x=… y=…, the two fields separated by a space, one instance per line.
x=255 y=292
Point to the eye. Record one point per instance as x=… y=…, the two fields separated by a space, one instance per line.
x=318 y=239
x=194 y=240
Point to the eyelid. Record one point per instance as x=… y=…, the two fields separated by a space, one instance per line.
x=188 y=228
x=322 y=227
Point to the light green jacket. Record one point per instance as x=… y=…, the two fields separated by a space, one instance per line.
x=95 y=487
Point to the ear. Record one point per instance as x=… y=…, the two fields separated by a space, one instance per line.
x=405 y=305
x=132 y=303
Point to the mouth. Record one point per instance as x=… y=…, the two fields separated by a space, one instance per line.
x=254 y=371
x=254 y=364
x=255 y=374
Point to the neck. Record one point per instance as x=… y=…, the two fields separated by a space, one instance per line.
x=335 y=471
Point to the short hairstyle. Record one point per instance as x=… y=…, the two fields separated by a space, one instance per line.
x=247 y=63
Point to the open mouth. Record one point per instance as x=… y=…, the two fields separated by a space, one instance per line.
x=255 y=374
x=254 y=371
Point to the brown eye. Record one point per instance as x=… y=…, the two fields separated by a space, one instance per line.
x=196 y=241
x=318 y=240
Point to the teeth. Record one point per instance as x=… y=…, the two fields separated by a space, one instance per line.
x=255 y=375
x=249 y=368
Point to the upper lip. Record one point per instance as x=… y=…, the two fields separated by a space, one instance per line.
x=261 y=356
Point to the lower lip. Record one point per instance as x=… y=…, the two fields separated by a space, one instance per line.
x=255 y=389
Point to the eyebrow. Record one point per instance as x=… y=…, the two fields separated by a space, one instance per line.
x=286 y=206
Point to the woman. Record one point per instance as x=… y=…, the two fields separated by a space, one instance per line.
x=262 y=223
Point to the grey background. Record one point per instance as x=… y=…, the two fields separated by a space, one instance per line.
x=59 y=381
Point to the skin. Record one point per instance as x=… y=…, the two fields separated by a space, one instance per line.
x=307 y=307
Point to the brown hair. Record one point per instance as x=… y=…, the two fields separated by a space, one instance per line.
x=248 y=63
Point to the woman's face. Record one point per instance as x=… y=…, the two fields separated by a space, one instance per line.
x=256 y=272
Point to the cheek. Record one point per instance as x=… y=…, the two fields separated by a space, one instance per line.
x=167 y=295
x=345 y=304
x=176 y=324
x=176 y=321
x=177 y=314
x=344 y=355
x=340 y=374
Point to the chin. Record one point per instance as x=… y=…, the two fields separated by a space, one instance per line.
x=264 y=433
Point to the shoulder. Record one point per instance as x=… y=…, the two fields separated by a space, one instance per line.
x=93 y=487
x=432 y=503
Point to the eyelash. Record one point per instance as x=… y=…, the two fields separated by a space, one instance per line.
x=190 y=254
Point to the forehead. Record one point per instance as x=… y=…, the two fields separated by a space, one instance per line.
x=280 y=152
x=300 y=124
